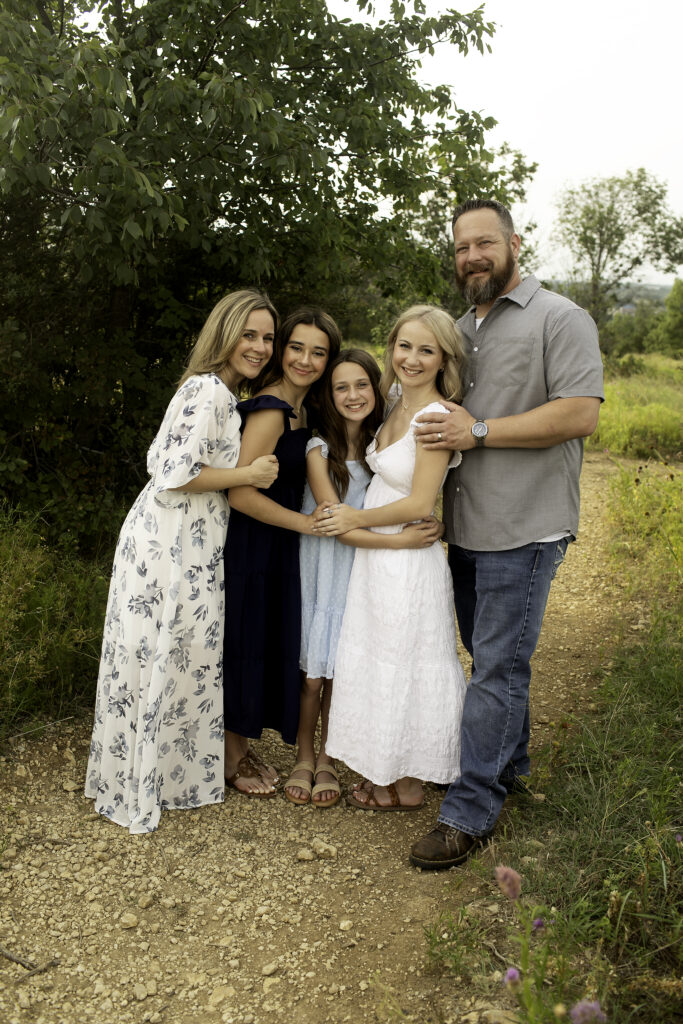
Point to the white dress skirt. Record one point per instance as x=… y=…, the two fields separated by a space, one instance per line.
x=399 y=688
x=157 y=740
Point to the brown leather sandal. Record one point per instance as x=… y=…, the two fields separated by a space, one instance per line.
x=371 y=803
x=260 y=763
x=247 y=769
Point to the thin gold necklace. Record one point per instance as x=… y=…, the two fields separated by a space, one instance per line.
x=407 y=408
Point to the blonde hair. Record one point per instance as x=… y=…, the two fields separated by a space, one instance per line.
x=223 y=329
x=447 y=334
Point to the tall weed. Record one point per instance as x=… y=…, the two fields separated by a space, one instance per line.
x=646 y=513
x=643 y=411
x=51 y=608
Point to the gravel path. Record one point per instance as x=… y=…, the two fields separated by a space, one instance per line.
x=258 y=911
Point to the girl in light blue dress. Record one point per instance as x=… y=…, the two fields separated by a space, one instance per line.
x=352 y=411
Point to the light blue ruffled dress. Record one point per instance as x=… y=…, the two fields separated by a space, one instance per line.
x=325 y=570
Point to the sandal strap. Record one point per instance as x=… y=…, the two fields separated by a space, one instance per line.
x=256 y=758
x=393 y=795
x=326 y=768
x=245 y=767
x=298 y=784
x=326 y=787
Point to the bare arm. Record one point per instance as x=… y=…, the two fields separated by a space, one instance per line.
x=416 y=535
x=546 y=425
x=429 y=472
x=261 y=473
x=261 y=434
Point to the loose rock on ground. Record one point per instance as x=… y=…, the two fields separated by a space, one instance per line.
x=255 y=911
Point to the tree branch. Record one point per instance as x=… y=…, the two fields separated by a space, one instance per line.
x=55 y=962
x=205 y=59
x=44 y=17
x=119 y=20
x=28 y=964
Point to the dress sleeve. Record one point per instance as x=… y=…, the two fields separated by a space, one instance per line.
x=318 y=442
x=201 y=428
x=456 y=457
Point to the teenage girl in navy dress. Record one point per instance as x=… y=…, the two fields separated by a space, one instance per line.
x=263 y=620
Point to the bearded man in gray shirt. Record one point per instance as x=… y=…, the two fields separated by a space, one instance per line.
x=533 y=387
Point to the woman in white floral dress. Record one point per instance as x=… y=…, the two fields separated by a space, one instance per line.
x=157 y=740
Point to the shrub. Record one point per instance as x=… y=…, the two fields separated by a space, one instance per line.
x=52 y=608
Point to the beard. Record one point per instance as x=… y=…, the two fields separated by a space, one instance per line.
x=479 y=292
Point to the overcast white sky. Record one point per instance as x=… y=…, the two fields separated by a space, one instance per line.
x=590 y=88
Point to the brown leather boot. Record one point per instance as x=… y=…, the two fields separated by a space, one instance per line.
x=444 y=847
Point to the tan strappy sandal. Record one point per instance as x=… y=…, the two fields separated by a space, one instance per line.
x=304 y=784
x=323 y=787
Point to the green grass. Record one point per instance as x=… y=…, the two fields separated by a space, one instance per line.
x=603 y=850
x=646 y=513
x=51 y=608
x=643 y=410
x=612 y=865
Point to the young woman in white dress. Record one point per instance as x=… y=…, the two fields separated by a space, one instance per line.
x=399 y=687
x=157 y=740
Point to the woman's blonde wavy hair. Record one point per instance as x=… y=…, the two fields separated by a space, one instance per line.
x=223 y=329
x=449 y=381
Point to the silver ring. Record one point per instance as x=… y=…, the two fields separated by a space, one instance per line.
x=329 y=511
x=439 y=436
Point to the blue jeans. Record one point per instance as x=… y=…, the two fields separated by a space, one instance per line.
x=500 y=599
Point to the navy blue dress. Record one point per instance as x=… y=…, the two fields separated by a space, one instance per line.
x=261 y=678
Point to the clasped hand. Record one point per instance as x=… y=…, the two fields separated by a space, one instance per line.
x=331 y=520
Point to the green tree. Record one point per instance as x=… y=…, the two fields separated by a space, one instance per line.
x=613 y=227
x=631 y=330
x=175 y=151
x=667 y=336
x=503 y=173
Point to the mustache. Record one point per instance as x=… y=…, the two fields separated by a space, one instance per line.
x=473 y=268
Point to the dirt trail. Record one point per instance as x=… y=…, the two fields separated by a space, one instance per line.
x=228 y=913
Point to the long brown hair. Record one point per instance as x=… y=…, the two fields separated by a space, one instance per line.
x=223 y=329
x=333 y=425
x=272 y=373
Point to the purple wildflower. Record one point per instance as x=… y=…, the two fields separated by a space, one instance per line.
x=509 y=882
x=678 y=837
x=511 y=978
x=538 y=924
x=587 y=1012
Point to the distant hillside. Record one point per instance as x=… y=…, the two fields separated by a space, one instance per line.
x=630 y=292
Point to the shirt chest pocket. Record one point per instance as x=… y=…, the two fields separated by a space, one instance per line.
x=506 y=363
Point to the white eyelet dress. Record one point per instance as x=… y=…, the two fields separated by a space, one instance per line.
x=399 y=687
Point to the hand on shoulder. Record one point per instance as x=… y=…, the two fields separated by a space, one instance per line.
x=446 y=431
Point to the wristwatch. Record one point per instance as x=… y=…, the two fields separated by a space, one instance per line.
x=479 y=433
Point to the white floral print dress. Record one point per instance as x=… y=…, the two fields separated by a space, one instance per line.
x=157 y=740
